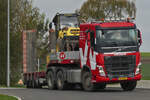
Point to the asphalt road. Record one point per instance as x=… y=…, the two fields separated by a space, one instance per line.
x=107 y=94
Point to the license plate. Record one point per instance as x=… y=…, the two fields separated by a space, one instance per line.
x=122 y=78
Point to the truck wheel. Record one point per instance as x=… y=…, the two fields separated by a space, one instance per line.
x=128 y=85
x=33 y=83
x=50 y=81
x=61 y=85
x=37 y=84
x=28 y=84
x=86 y=82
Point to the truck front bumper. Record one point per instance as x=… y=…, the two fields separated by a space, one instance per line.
x=99 y=79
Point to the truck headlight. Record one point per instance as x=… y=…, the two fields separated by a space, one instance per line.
x=138 y=69
x=101 y=70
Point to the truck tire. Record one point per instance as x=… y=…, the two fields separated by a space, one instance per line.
x=33 y=83
x=128 y=85
x=61 y=85
x=29 y=84
x=50 y=81
x=86 y=82
x=37 y=83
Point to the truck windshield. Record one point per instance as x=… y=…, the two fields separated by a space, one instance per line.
x=111 y=38
x=68 y=21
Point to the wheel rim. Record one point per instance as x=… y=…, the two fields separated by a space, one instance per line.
x=49 y=82
x=87 y=82
x=59 y=81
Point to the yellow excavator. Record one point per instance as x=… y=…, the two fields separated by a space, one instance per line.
x=64 y=33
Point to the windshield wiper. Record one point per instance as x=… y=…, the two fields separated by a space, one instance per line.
x=108 y=43
x=122 y=48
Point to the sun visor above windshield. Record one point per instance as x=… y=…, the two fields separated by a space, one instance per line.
x=116 y=25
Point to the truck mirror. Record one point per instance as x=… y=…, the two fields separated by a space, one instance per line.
x=50 y=25
x=88 y=36
x=139 y=37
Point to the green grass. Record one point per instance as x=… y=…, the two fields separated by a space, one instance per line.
x=145 y=54
x=5 y=97
x=145 y=71
x=19 y=86
x=145 y=65
x=15 y=86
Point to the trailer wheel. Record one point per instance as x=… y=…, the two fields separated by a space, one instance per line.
x=128 y=85
x=61 y=85
x=86 y=82
x=33 y=83
x=50 y=81
x=37 y=83
x=29 y=84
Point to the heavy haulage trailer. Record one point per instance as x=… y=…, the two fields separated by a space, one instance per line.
x=103 y=52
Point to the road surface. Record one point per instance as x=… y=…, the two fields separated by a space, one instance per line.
x=108 y=94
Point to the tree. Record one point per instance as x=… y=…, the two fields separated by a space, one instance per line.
x=23 y=16
x=3 y=41
x=109 y=9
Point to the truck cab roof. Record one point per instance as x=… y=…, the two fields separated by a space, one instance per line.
x=110 y=25
x=56 y=18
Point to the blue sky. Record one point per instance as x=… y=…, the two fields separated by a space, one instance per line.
x=50 y=7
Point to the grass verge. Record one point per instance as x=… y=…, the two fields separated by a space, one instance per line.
x=15 y=86
x=5 y=97
x=145 y=54
x=145 y=65
x=145 y=71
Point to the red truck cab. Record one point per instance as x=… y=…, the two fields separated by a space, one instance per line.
x=110 y=52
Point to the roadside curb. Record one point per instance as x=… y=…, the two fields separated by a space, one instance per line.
x=16 y=97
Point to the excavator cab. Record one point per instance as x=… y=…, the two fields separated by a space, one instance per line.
x=66 y=25
x=66 y=31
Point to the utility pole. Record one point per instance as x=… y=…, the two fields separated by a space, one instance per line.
x=8 y=43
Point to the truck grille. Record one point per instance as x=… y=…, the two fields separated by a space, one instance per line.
x=120 y=66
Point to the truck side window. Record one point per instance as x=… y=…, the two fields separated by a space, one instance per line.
x=99 y=36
